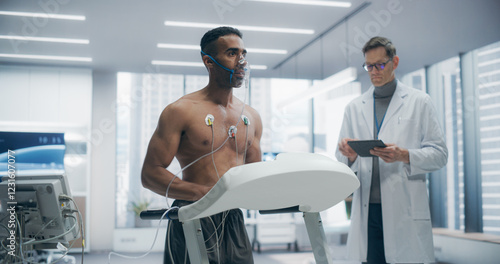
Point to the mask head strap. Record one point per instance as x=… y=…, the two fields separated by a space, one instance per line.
x=220 y=65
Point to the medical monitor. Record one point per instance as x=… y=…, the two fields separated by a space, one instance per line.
x=34 y=190
x=43 y=211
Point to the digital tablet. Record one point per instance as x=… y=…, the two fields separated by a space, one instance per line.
x=362 y=147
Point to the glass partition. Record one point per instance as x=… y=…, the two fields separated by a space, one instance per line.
x=488 y=95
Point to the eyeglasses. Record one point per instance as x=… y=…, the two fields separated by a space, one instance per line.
x=379 y=66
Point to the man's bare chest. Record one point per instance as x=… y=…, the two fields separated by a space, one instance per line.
x=230 y=132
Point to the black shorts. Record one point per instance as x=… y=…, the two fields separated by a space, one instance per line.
x=233 y=247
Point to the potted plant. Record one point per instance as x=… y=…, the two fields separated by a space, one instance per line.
x=137 y=208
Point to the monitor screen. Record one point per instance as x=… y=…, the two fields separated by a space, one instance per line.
x=32 y=152
x=268 y=156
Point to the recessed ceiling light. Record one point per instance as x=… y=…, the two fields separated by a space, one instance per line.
x=269 y=51
x=258 y=67
x=197 y=64
x=177 y=63
x=308 y=2
x=196 y=47
x=61 y=40
x=44 y=15
x=240 y=27
x=44 y=57
x=178 y=46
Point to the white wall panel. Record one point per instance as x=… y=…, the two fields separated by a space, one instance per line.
x=14 y=86
x=43 y=95
x=75 y=94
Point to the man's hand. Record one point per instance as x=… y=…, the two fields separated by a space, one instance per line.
x=391 y=153
x=346 y=150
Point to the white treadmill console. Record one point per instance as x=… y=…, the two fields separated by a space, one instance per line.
x=312 y=182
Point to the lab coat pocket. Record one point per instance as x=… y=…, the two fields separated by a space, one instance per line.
x=406 y=130
x=419 y=200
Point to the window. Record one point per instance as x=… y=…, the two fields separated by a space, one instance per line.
x=416 y=80
x=488 y=93
x=475 y=100
x=446 y=186
x=447 y=79
x=286 y=128
x=141 y=98
x=328 y=116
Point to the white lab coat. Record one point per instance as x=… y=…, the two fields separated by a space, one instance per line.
x=411 y=123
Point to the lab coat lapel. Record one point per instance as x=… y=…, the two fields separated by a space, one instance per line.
x=396 y=103
x=367 y=110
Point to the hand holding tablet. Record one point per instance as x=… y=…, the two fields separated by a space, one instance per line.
x=362 y=147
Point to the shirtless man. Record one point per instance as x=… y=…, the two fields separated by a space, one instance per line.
x=183 y=132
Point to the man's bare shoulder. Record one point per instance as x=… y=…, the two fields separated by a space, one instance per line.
x=183 y=105
x=254 y=113
x=252 y=110
x=177 y=114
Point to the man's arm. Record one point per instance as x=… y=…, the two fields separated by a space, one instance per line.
x=162 y=149
x=254 y=153
x=433 y=153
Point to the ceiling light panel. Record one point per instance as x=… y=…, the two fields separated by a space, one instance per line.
x=45 y=57
x=267 y=51
x=177 y=63
x=43 y=15
x=178 y=46
x=37 y=47
x=308 y=2
x=197 y=64
x=42 y=39
x=196 y=47
x=240 y=27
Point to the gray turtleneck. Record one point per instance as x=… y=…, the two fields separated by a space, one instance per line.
x=382 y=96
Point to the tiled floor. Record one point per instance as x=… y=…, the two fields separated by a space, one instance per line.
x=269 y=255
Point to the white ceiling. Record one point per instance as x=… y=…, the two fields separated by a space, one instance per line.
x=124 y=34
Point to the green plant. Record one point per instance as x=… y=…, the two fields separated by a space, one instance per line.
x=138 y=207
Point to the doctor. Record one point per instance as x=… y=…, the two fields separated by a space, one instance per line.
x=390 y=221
